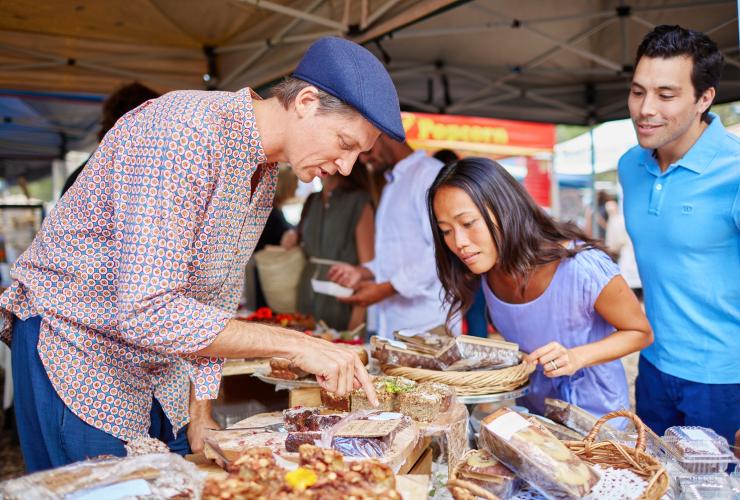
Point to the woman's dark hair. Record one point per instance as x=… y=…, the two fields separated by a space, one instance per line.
x=672 y=41
x=525 y=236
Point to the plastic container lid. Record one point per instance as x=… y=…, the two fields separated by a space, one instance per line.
x=698 y=449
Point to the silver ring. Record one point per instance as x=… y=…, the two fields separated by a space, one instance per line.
x=554 y=365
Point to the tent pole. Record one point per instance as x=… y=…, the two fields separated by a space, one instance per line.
x=289 y=11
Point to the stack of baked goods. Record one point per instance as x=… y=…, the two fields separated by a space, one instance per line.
x=422 y=402
x=322 y=473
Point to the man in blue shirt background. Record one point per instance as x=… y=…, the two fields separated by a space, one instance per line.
x=682 y=209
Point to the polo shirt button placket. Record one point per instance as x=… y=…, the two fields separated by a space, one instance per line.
x=656 y=197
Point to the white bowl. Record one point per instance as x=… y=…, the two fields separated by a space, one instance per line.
x=330 y=288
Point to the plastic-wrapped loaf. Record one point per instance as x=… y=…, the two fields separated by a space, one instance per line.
x=558 y=430
x=698 y=450
x=302 y=419
x=477 y=353
x=536 y=456
x=485 y=470
x=569 y=415
x=396 y=353
x=149 y=476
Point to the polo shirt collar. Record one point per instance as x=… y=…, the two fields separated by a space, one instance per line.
x=700 y=155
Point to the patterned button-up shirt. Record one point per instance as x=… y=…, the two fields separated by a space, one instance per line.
x=140 y=264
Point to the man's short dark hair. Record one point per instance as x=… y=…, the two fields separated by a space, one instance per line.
x=673 y=41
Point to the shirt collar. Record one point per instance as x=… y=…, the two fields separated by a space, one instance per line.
x=700 y=155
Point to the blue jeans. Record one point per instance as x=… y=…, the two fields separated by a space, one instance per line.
x=664 y=401
x=50 y=434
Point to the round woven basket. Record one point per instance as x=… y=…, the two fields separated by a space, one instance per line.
x=619 y=456
x=471 y=383
x=603 y=453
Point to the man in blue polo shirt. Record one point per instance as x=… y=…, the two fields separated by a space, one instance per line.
x=682 y=209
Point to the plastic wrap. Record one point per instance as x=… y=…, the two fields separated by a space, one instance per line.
x=449 y=432
x=356 y=436
x=558 y=430
x=536 y=456
x=706 y=486
x=367 y=438
x=698 y=450
x=151 y=476
x=302 y=419
x=481 y=468
x=478 y=353
x=396 y=353
x=576 y=418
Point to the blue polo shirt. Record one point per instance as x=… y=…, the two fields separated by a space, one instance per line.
x=685 y=227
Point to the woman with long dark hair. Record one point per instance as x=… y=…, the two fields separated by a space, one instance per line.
x=548 y=286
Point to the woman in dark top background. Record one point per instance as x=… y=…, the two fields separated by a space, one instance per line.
x=337 y=223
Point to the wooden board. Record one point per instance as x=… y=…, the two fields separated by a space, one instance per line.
x=424 y=464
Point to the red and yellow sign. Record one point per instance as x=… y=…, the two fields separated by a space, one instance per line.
x=473 y=135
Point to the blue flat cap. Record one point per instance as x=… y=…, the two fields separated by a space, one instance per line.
x=351 y=73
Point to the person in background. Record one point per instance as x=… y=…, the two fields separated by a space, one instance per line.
x=446 y=156
x=115 y=106
x=337 y=223
x=618 y=242
x=399 y=280
x=681 y=189
x=548 y=286
x=475 y=317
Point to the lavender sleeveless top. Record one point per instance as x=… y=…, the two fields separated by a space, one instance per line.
x=565 y=313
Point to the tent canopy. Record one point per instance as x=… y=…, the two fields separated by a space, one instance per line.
x=562 y=62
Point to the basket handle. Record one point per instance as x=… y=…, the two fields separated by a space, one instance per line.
x=639 y=426
x=472 y=488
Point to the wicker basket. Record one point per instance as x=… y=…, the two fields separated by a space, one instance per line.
x=619 y=456
x=471 y=383
x=603 y=453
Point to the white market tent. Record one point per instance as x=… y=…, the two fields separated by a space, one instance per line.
x=558 y=62
x=611 y=140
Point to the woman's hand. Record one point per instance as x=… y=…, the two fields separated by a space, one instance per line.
x=556 y=360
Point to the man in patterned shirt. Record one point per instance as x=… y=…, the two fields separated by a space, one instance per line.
x=130 y=287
